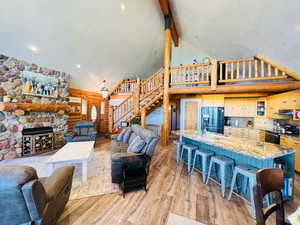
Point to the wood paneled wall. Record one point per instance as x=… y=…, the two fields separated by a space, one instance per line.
x=91 y=98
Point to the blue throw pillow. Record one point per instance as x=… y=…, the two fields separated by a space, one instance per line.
x=121 y=135
x=127 y=135
x=136 y=145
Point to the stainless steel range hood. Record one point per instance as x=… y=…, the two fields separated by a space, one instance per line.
x=286 y=112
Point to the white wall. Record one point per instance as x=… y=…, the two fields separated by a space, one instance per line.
x=186 y=52
x=107 y=42
x=155 y=117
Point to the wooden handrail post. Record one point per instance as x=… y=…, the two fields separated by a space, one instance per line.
x=110 y=119
x=214 y=74
x=143 y=118
x=136 y=96
x=167 y=64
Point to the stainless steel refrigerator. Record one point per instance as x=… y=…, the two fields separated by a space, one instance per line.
x=212 y=119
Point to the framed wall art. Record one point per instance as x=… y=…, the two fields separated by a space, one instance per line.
x=37 y=84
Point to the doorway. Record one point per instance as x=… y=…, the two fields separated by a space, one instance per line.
x=190 y=114
x=93 y=113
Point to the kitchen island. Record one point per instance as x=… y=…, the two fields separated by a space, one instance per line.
x=243 y=151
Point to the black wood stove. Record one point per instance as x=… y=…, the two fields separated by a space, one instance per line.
x=37 y=140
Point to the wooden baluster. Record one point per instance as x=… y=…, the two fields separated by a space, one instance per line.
x=202 y=72
x=276 y=71
x=269 y=70
x=110 y=119
x=244 y=70
x=221 y=71
x=250 y=69
x=226 y=71
x=262 y=68
x=231 y=70
x=238 y=70
x=193 y=73
x=255 y=68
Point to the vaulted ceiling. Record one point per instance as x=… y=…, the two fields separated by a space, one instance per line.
x=106 y=41
x=120 y=39
x=228 y=29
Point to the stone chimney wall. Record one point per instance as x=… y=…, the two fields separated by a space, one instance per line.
x=11 y=125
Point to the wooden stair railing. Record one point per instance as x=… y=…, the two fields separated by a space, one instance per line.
x=152 y=85
x=191 y=74
x=124 y=87
x=122 y=111
x=142 y=93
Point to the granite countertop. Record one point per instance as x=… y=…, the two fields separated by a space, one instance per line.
x=290 y=136
x=297 y=138
x=253 y=148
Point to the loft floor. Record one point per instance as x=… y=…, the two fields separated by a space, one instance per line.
x=170 y=190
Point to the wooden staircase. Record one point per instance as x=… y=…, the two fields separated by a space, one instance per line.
x=143 y=97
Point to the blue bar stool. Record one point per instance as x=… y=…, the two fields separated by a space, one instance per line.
x=205 y=156
x=248 y=172
x=224 y=163
x=179 y=145
x=189 y=148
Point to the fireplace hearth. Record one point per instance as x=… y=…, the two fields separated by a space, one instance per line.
x=37 y=140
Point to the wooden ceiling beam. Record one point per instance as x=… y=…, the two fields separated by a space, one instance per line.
x=165 y=8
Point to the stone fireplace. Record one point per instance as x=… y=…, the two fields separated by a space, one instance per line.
x=11 y=124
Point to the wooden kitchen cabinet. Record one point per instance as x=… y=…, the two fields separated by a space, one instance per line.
x=295 y=144
x=288 y=100
x=262 y=135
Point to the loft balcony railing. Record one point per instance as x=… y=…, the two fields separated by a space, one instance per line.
x=190 y=74
x=250 y=69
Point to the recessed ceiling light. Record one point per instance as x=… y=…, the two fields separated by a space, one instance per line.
x=33 y=48
x=78 y=66
x=123 y=7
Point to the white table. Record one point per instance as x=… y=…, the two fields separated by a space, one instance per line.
x=73 y=153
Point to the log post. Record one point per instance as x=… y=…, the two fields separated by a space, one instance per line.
x=143 y=118
x=136 y=96
x=167 y=62
x=110 y=119
x=214 y=74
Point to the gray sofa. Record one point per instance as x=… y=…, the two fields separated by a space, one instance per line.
x=119 y=151
x=26 y=199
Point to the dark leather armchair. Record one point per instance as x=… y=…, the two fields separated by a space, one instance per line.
x=26 y=199
x=82 y=131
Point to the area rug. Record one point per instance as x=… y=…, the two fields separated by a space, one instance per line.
x=174 y=219
x=99 y=174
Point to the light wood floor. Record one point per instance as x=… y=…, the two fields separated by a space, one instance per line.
x=170 y=190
